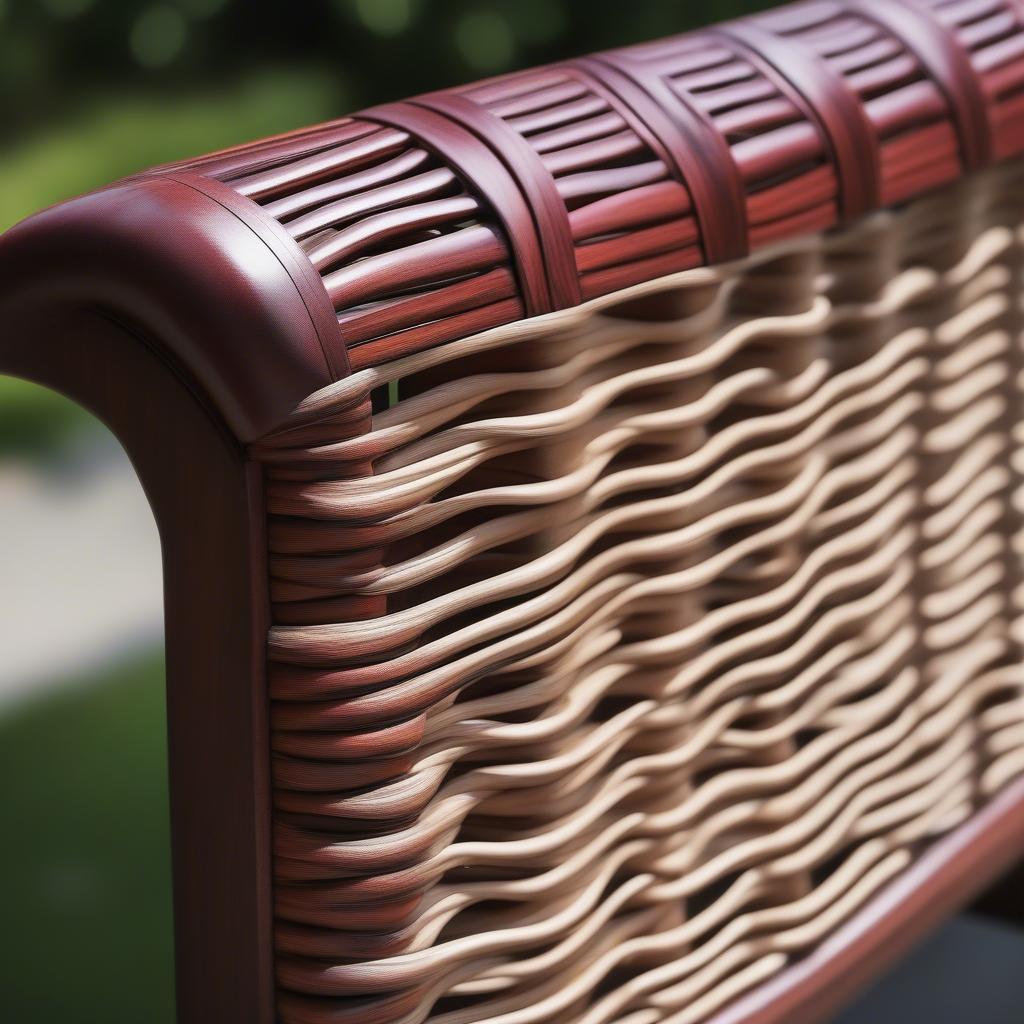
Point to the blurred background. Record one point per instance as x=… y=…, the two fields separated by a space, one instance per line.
x=92 y=90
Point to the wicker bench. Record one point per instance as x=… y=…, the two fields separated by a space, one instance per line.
x=592 y=515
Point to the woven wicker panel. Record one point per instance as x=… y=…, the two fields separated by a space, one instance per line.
x=623 y=653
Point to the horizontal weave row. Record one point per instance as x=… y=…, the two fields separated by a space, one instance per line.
x=622 y=654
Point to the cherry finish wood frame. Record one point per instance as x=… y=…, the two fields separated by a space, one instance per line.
x=210 y=312
x=207 y=503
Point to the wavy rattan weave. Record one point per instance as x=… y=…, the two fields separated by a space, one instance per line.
x=662 y=635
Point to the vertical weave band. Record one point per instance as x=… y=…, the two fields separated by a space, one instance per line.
x=948 y=64
x=483 y=172
x=534 y=181
x=698 y=155
x=828 y=101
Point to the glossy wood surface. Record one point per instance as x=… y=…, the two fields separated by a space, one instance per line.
x=207 y=501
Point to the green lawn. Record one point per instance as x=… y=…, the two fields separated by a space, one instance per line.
x=86 y=931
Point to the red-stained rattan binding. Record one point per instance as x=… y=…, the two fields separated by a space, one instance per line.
x=488 y=177
x=948 y=63
x=826 y=99
x=993 y=36
x=690 y=146
x=534 y=180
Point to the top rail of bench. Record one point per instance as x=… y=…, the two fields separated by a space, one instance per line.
x=271 y=269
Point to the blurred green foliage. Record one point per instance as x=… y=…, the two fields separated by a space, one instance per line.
x=86 y=860
x=34 y=421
